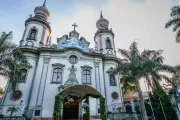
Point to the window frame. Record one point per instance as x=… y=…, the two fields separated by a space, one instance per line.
x=86 y=68
x=57 y=66
x=109 y=77
x=29 y=34
x=23 y=81
x=59 y=71
x=27 y=67
x=37 y=108
x=85 y=76
x=33 y=34
x=110 y=44
x=74 y=62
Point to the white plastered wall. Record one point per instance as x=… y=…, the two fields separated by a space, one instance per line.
x=24 y=87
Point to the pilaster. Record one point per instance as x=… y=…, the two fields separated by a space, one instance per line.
x=43 y=81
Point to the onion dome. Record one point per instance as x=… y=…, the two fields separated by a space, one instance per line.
x=41 y=15
x=102 y=23
x=42 y=11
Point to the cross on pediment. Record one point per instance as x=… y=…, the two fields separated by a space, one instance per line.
x=74 y=25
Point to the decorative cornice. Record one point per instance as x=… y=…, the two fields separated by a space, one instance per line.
x=45 y=49
x=46 y=59
x=84 y=40
x=86 y=67
x=104 y=31
x=58 y=65
x=27 y=66
x=96 y=64
x=38 y=20
x=109 y=70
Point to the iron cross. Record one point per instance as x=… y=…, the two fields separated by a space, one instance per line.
x=74 y=25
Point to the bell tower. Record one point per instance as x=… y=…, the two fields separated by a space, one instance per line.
x=37 y=28
x=104 y=37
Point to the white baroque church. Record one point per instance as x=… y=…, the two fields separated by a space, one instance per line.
x=69 y=67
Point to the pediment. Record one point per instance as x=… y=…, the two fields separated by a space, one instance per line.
x=59 y=65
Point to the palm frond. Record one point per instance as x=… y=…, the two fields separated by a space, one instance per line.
x=178 y=35
x=175 y=11
x=133 y=49
x=172 y=22
x=12 y=109
x=125 y=53
x=176 y=26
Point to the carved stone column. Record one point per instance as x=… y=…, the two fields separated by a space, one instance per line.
x=97 y=81
x=97 y=76
x=42 y=81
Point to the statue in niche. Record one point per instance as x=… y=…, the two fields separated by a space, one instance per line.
x=112 y=80
x=22 y=105
x=72 y=77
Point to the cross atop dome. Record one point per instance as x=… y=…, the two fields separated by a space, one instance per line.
x=101 y=16
x=74 y=25
x=44 y=4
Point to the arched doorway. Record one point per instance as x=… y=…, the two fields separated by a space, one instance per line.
x=71 y=95
x=70 y=107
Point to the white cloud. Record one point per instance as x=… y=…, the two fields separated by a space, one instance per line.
x=144 y=22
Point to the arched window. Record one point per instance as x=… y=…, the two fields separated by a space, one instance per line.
x=57 y=75
x=32 y=34
x=23 y=75
x=86 y=77
x=108 y=43
x=73 y=59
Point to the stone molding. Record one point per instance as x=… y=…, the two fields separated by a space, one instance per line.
x=96 y=64
x=87 y=67
x=46 y=60
x=28 y=36
x=58 y=65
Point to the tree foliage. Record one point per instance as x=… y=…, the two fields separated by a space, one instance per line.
x=155 y=97
x=103 y=108
x=137 y=65
x=57 y=107
x=174 y=21
x=12 y=110
x=86 y=115
x=11 y=60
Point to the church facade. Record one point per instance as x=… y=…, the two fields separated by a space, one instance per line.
x=69 y=67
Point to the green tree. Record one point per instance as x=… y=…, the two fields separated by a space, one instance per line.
x=166 y=103
x=103 y=108
x=57 y=107
x=174 y=21
x=136 y=66
x=12 y=110
x=11 y=60
x=86 y=115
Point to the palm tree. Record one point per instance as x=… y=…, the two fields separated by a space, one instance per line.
x=11 y=58
x=12 y=110
x=136 y=66
x=174 y=97
x=175 y=21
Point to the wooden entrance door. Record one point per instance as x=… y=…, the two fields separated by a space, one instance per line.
x=70 y=109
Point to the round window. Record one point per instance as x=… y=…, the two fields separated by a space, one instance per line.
x=114 y=95
x=73 y=59
x=16 y=95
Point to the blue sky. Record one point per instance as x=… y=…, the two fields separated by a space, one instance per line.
x=140 y=20
x=14 y=12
